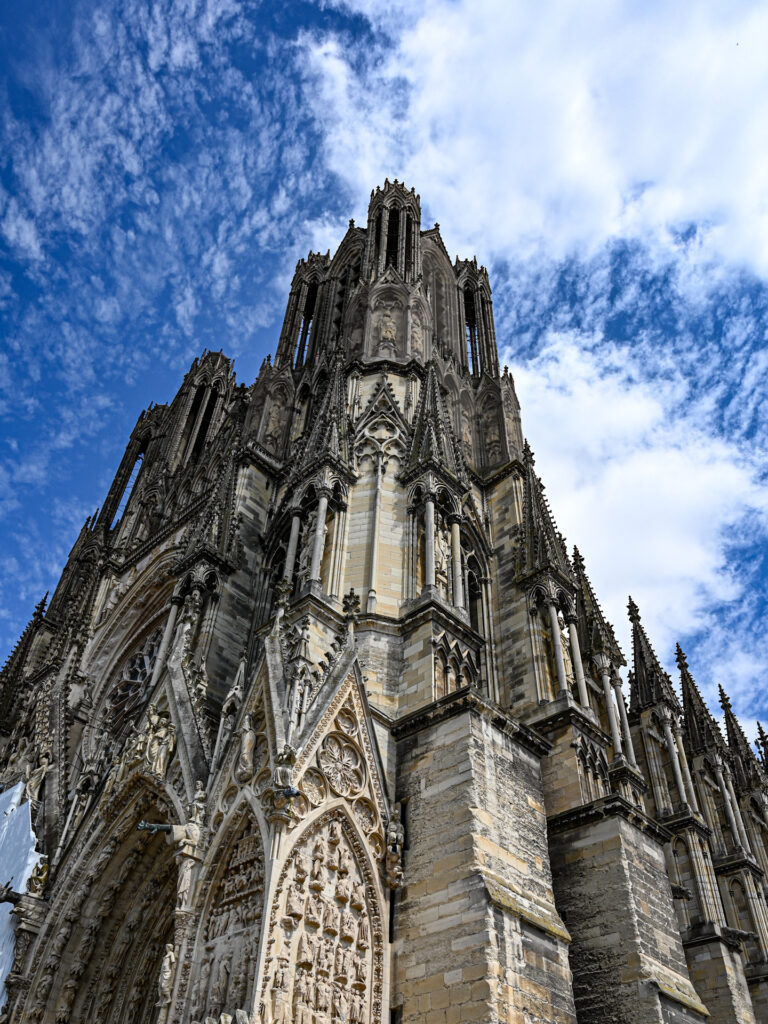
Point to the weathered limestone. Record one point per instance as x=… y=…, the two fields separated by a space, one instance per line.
x=324 y=724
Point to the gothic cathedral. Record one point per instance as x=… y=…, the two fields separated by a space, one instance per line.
x=324 y=724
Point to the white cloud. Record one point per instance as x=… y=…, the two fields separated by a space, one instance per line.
x=651 y=498
x=564 y=121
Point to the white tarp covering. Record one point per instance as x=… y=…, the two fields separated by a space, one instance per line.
x=17 y=861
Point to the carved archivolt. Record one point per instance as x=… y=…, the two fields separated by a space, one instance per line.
x=325 y=950
x=231 y=926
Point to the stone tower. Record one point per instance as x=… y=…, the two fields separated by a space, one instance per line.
x=323 y=722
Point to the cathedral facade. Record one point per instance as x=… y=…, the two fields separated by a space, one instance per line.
x=323 y=723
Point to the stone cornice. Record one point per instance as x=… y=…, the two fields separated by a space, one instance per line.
x=613 y=806
x=469 y=700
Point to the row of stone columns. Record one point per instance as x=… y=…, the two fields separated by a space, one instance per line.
x=619 y=726
x=429 y=553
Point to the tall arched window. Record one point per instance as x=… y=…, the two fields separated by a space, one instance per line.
x=471 y=331
x=393 y=238
x=307 y=317
x=130 y=484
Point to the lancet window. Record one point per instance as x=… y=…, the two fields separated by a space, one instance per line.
x=471 y=333
x=310 y=291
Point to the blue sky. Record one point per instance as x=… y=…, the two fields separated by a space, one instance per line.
x=163 y=166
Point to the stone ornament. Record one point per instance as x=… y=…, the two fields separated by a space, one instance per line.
x=342 y=764
x=231 y=925
x=326 y=954
x=167 y=972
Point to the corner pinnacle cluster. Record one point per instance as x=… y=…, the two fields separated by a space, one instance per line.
x=326 y=645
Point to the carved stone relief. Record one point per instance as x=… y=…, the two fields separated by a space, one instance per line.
x=231 y=928
x=325 y=951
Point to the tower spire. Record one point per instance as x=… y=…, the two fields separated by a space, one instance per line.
x=542 y=547
x=702 y=730
x=650 y=684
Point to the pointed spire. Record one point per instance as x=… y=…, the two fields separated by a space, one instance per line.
x=596 y=627
x=650 y=684
x=762 y=744
x=746 y=764
x=542 y=546
x=432 y=441
x=328 y=435
x=702 y=731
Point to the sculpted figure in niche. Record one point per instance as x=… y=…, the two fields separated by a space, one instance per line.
x=295 y=901
x=318 y=860
x=442 y=558
x=281 y=984
x=322 y=995
x=356 y=1008
x=417 y=339
x=565 y=646
x=304 y=998
x=305 y=556
x=340 y=1004
x=491 y=436
x=66 y=999
x=34 y=780
x=273 y=429
x=466 y=433
x=244 y=769
x=221 y=984
x=165 y=981
x=306 y=951
x=387 y=331
x=363 y=932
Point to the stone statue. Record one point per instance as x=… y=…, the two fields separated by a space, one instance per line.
x=161 y=744
x=165 y=981
x=221 y=984
x=39 y=878
x=244 y=769
x=417 y=339
x=34 y=779
x=393 y=871
x=442 y=558
x=387 y=333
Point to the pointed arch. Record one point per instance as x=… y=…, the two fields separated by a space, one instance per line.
x=100 y=954
x=231 y=909
x=326 y=925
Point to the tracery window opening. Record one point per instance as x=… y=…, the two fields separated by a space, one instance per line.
x=408 y=245
x=471 y=332
x=306 y=323
x=377 y=241
x=194 y=412
x=198 y=443
x=130 y=484
x=393 y=239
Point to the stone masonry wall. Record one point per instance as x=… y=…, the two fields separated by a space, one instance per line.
x=613 y=893
x=476 y=934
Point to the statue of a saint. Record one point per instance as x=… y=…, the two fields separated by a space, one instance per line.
x=34 y=779
x=244 y=769
x=165 y=981
x=387 y=333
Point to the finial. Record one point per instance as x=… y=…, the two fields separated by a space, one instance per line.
x=762 y=743
x=578 y=561
x=40 y=606
x=725 y=702
x=528 y=454
x=682 y=663
x=634 y=611
x=352 y=219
